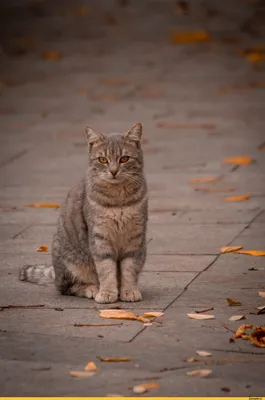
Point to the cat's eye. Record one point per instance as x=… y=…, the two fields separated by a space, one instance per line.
x=103 y=160
x=124 y=159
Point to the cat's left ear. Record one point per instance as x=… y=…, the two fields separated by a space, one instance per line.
x=135 y=133
x=93 y=136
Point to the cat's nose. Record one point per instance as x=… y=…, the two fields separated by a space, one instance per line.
x=113 y=171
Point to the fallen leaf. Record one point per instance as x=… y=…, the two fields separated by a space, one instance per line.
x=175 y=125
x=203 y=311
x=205 y=180
x=192 y=359
x=262 y=294
x=114 y=81
x=244 y=160
x=155 y=314
x=42 y=249
x=200 y=316
x=262 y=146
x=233 y=303
x=255 y=253
x=226 y=389
x=116 y=359
x=121 y=314
x=44 y=205
x=255 y=56
x=203 y=353
x=229 y=40
x=237 y=317
x=181 y=8
x=81 y=11
x=148 y=324
x=230 y=249
x=145 y=387
x=81 y=374
x=252 y=85
x=261 y=310
x=232 y=199
x=91 y=366
x=178 y=37
x=51 y=55
x=213 y=189
x=257 y=337
x=200 y=372
x=231 y=340
x=242 y=330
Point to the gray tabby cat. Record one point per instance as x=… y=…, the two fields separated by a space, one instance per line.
x=99 y=248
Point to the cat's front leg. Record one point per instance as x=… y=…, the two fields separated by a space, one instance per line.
x=108 y=285
x=130 y=268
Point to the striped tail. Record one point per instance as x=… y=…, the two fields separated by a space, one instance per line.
x=39 y=274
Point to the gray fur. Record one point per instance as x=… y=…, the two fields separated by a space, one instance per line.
x=99 y=248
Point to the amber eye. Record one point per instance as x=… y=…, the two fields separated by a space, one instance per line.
x=124 y=159
x=103 y=160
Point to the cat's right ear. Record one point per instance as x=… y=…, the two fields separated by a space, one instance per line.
x=92 y=136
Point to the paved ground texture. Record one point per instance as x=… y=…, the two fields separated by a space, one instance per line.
x=110 y=64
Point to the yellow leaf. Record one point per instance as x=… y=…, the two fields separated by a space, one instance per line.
x=257 y=337
x=81 y=374
x=234 y=199
x=230 y=249
x=244 y=160
x=233 y=303
x=176 y=125
x=155 y=314
x=237 y=317
x=44 y=205
x=121 y=314
x=262 y=294
x=179 y=37
x=255 y=253
x=51 y=55
x=200 y=372
x=205 y=180
x=203 y=353
x=201 y=316
x=145 y=387
x=241 y=331
x=42 y=249
x=91 y=366
x=115 y=359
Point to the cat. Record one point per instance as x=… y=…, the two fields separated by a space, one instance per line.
x=99 y=248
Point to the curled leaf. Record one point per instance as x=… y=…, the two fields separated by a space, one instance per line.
x=145 y=387
x=232 y=199
x=121 y=314
x=230 y=249
x=261 y=310
x=91 y=366
x=114 y=359
x=237 y=317
x=257 y=336
x=155 y=314
x=255 y=253
x=179 y=37
x=200 y=316
x=241 y=331
x=42 y=249
x=81 y=374
x=262 y=294
x=233 y=303
x=244 y=160
x=203 y=353
x=200 y=372
x=44 y=205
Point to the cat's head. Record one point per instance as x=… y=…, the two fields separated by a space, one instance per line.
x=116 y=158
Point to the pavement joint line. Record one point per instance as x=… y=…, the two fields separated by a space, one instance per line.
x=19 y=233
x=246 y=227
x=13 y=158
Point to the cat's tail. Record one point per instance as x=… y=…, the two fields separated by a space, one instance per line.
x=39 y=274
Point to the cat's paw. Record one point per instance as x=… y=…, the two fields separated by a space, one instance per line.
x=106 y=296
x=91 y=291
x=130 y=295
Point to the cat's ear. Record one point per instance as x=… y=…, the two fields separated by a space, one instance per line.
x=92 y=136
x=135 y=133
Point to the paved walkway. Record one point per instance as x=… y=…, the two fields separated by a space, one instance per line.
x=117 y=65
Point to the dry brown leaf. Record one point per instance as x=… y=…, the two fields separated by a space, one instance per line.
x=233 y=199
x=121 y=314
x=44 y=205
x=255 y=56
x=213 y=189
x=42 y=249
x=81 y=374
x=255 y=253
x=203 y=353
x=200 y=372
x=114 y=359
x=145 y=387
x=241 y=331
x=200 y=316
x=232 y=302
x=192 y=359
x=181 y=8
x=261 y=309
x=257 y=336
x=230 y=249
x=154 y=314
x=262 y=146
x=262 y=294
x=244 y=160
x=175 y=125
x=237 y=317
x=178 y=37
x=51 y=55
x=91 y=366
x=205 y=180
